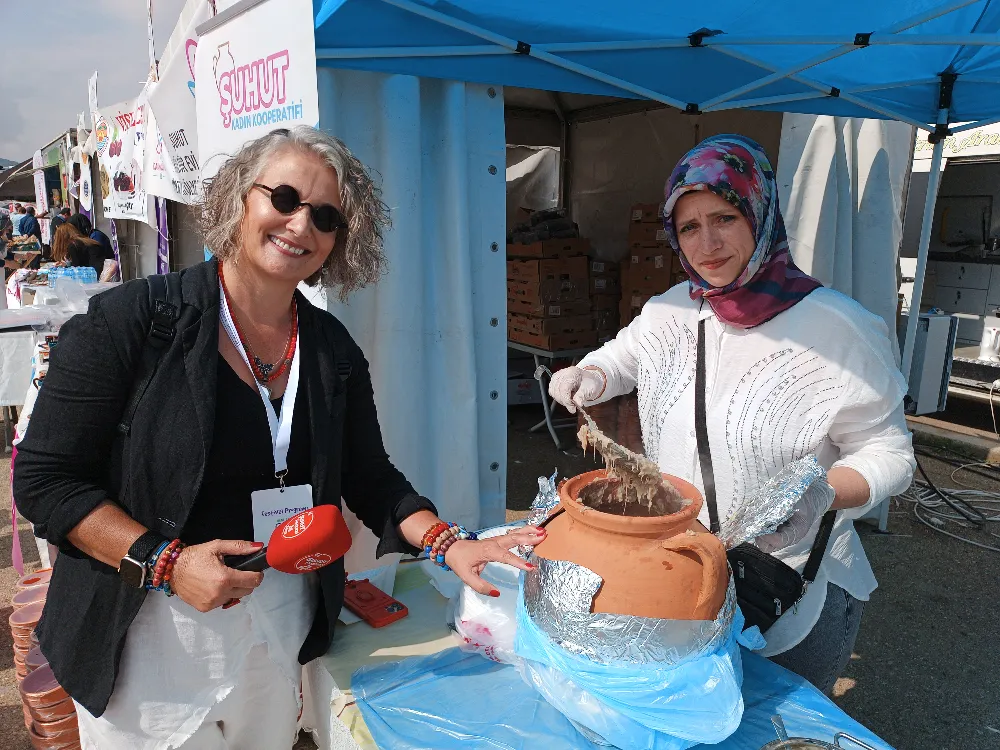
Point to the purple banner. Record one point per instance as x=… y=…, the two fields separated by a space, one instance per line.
x=88 y=214
x=162 y=235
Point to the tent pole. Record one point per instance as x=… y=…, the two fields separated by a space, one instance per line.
x=925 y=240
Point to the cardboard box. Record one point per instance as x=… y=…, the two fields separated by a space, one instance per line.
x=603 y=267
x=606 y=320
x=653 y=259
x=546 y=326
x=640 y=234
x=648 y=281
x=605 y=301
x=549 y=269
x=603 y=284
x=555 y=341
x=550 y=249
x=631 y=305
x=523 y=391
x=551 y=291
x=647 y=213
x=555 y=309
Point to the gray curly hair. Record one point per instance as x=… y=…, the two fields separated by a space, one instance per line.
x=357 y=258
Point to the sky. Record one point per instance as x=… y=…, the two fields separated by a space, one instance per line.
x=45 y=70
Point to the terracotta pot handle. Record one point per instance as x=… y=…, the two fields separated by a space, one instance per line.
x=712 y=554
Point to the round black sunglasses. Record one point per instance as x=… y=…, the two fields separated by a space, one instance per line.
x=286 y=200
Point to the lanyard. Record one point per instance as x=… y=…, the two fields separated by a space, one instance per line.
x=280 y=425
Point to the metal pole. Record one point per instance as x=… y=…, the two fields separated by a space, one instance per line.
x=925 y=240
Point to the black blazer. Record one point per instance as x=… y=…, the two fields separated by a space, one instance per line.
x=73 y=457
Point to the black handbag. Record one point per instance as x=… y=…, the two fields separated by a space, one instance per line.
x=765 y=586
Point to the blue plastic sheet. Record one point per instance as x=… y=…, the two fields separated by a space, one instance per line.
x=639 y=705
x=456 y=701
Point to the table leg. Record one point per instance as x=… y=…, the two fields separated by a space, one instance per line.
x=546 y=405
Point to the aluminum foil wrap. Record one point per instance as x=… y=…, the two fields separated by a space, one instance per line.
x=772 y=504
x=546 y=499
x=558 y=596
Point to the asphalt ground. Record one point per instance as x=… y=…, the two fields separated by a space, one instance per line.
x=925 y=674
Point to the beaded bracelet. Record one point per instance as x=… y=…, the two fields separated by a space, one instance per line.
x=439 y=539
x=162 y=562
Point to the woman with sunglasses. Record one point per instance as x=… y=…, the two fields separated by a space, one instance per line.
x=258 y=401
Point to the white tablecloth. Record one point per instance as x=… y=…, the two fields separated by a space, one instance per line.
x=16 y=350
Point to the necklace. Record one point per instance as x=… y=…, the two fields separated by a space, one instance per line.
x=265 y=373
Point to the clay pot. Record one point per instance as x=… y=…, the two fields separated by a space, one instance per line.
x=662 y=566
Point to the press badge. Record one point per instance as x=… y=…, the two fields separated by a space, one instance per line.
x=273 y=507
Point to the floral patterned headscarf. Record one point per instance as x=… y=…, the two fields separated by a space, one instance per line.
x=736 y=169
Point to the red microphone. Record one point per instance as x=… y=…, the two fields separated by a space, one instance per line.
x=305 y=542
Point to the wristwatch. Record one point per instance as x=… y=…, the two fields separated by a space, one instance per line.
x=132 y=569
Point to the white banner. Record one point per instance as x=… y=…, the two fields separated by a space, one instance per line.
x=174 y=178
x=121 y=139
x=255 y=73
x=86 y=190
x=173 y=104
x=92 y=99
x=41 y=196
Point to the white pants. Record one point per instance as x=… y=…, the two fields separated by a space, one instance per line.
x=254 y=716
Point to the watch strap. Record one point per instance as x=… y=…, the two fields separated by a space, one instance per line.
x=145 y=545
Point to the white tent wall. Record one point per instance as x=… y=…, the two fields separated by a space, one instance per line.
x=841 y=183
x=623 y=160
x=433 y=329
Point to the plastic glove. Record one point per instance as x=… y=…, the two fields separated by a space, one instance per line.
x=573 y=386
x=814 y=502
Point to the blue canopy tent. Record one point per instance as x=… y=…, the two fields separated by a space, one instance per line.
x=923 y=62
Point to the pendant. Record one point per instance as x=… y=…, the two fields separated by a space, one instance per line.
x=263 y=367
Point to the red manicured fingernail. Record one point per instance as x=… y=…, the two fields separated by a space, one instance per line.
x=494 y=593
x=529 y=566
x=258 y=545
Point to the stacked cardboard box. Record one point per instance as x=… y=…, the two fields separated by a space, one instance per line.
x=651 y=266
x=548 y=294
x=605 y=296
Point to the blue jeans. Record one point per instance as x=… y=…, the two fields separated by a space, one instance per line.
x=825 y=652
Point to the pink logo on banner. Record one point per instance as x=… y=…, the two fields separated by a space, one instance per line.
x=253 y=94
x=190 y=50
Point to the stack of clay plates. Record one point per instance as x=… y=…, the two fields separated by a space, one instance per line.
x=38 y=578
x=53 y=716
x=22 y=624
x=49 y=714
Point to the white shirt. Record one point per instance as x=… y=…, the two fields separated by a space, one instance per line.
x=819 y=378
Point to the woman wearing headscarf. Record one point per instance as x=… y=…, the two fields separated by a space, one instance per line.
x=790 y=369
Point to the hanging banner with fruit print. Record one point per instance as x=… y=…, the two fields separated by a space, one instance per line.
x=256 y=72
x=121 y=139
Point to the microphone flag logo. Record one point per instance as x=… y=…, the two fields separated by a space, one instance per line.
x=313 y=561
x=297 y=525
